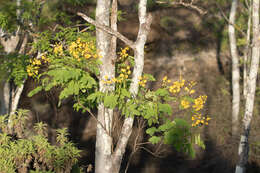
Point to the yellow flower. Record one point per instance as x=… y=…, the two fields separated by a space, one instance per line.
x=164 y=78
x=185 y=104
x=58 y=50
x=192 y=91
x=123 y=54
x=199 y=103
x=87 y=56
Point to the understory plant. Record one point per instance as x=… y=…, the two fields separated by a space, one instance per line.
x=25 y=150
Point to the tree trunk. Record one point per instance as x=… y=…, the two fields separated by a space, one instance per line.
x=144 y=28
x=10 y=44
x=107 y=161
x=244 y=145
x=235 y=68
x=104 y=141
x=247 y=51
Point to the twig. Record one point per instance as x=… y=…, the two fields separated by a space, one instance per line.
x=135 y=148
x=188 y=5
x=235 y=26
x=94 y=117
x=108 y=30
x=152 y=153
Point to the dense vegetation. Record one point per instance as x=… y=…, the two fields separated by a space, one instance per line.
x=176 y=107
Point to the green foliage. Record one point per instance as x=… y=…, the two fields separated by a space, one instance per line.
x=34 y=154
x=14 y=67
x=65 y=70
x=73 y=67
x=8 y=15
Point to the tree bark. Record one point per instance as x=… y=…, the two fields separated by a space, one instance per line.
x=104 y=141
x=247 y=51
x=107 y=161
x=144 y=28
x=235 y=68
x=10 y=94
x=251 y=86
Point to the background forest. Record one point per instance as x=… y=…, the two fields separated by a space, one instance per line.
x=187 y=107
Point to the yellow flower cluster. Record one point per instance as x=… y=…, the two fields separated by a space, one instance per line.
x=58 y=49
x=198 y=120
x=45 y=59
x=124 y=74
x=108 y=81
x=142 y=81
x=183 y=88
x=185 y=104
x=199 y=102
x=176 y=86
x=189 y=89
x=166 y=80
x=124 y=53
x=34 y=66
x=80 y=49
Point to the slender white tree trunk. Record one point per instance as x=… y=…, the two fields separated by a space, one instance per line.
x=10 y=44
x=107 y=161
x=10 y=94
x=144 y=28
x=235 y=68
x=247 y=51
x=104 y=141
x=244 y=145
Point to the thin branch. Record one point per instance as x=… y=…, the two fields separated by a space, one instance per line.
x=94 y=117
x=135 y=148
x=235 y=26
x=188 y=5
x=152 y=153
x=108 y=30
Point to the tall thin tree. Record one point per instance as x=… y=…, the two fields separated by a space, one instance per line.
x=106 y=159
x=251 y=86
x=235 y=68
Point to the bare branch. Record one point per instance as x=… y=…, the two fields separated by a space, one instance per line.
x=108 y=30
x=188 y=5
x=94 y=117
x=226 y=18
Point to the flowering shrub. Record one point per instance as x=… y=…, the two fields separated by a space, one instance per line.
x=73 y=66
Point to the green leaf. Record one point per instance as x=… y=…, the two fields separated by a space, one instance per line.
x=125 y=93
x=110 y=101
x=162 y=92
x=35 y=91
x=155 y=139
x=181 y=123
x=149 y=77
x=151 y=131
x=198 y=141
x=166 y=126
x=94 y=96
x=165 y=108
